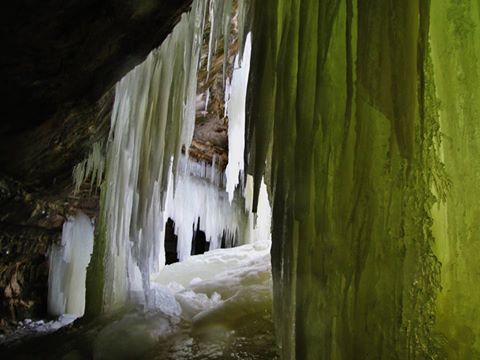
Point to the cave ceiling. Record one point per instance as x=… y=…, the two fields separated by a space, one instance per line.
x=59 y=59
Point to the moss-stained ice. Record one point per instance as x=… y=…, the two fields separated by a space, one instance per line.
x=374 y=250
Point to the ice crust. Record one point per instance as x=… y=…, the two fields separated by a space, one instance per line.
x=202 y=301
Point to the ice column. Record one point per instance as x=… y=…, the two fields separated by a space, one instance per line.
x=259 y=223
x=236 y=119
x=68 y=266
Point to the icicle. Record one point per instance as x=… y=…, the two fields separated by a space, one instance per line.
x=92 y=167
x=236 y=120
x=147 y=178
x=153 y=117
x=68 y=266
x=220 y=25
x=198 y=195
x=211 y=41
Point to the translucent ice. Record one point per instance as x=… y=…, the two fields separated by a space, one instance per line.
x=236 y=119
x=68 y=266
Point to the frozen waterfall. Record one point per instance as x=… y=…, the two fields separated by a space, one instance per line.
x=148 y=175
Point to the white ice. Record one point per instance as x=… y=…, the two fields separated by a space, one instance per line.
x=198 y=194
x=236 y=119
x=213 y=280
x=68 y=267
x=215 y=291
x=148 y=180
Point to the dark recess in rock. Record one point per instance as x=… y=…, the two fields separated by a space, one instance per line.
x=171 y=241
x=199 y=241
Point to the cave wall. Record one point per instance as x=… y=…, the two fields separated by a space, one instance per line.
x=365 y=114
x=57 y=52
x=28 y=225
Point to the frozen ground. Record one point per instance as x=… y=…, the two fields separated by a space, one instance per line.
x=211 y=306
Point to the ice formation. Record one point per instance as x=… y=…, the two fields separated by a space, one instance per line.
x=260 y=222
x=220 y=285
x=199 y=197
x=150 y=103
x=91 y=168
x=148 y=180
x=218 y=289
x=222 y=295
x=369 y=132
x=68 y=267
x=236 y=105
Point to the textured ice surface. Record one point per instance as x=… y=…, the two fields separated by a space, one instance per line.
x=91 y=168
x=236 y=106
x=161 y=298
x=198 y=195
x=213 y=265
x=68 y=267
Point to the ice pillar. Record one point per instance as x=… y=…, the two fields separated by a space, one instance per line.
x=68 y=267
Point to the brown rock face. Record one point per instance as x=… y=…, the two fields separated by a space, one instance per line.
x=210 y=138
x=28 y=224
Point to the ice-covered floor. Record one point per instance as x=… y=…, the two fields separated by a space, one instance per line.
x=211 y=306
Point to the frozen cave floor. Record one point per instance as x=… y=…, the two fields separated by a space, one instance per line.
x=212 y=306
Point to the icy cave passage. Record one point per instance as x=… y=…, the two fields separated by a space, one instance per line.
x=276 y=179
